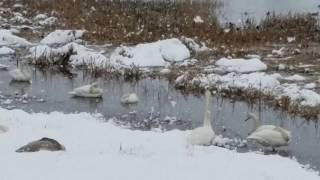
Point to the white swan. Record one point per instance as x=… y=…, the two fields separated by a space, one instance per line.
x=204 y=135
x=88 y=91
x=20 y=75
x=129 y=99
x=268 y=135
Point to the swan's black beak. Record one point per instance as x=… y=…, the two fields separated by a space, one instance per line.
x=246 y=119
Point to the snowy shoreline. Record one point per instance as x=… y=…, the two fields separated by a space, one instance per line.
x=99 y=150
x=65 y=47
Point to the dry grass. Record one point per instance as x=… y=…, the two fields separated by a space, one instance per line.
x=134 y=21
x=131 y=20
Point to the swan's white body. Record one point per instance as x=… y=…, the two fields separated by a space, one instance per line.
x=129 y=99
x=3 y=129
x=88 y=91
x=203 y=135
x=269 y=135
x=20 y=75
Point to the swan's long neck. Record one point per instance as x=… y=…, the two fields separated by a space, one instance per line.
x=207 y=112
x=255 y=124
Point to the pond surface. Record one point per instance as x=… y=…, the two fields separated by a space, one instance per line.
x=239 y=10
x=159 y=103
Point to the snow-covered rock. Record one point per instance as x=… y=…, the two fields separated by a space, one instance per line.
x=295 y=77
x=140 y=154
x=191 y=44
x=165 y=71
x=9 y=39
x=6 y=51
x=61 y=37
x=152 y=54
x=79 y=55
x=305 y=96
x=291 y=39
x=310 y=86
x=19 y=18
x=48 y=21
x=198 y=20
x=251 y=56
x=241 y=65
x=279 y=52
x=40 y=17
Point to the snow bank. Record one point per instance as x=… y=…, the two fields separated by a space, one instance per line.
x=305 y=96
x=79 y=55
x=6 y=51
x=61 y=37
x=295 y=77
x=259 y=81
x=241 y=65
x=152 y=54
x=104 y=151
x=8 y=39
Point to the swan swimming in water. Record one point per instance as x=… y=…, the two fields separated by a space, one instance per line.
x=268 y=135
x=129 y=99
x=20 y=75
x=88 y=91
x=204 y=135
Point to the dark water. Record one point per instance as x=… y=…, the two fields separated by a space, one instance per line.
x=239 y=10
x=158 y=99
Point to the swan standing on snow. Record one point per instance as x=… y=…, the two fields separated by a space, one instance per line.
x=20 y=75
x=88 y=91
x=268 y=135
x=129 y=99
x=204 y=135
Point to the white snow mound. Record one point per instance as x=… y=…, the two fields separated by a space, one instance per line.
x=152 y=54
x=9 y=39
x=241 y=65
x=79 y=55
x=6 y=51
x=61 y=37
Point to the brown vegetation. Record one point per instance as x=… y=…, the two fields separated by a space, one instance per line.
x=133 y=21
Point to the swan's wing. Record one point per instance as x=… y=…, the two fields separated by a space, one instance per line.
x=284 y=133
x=264 y=127
x=268 y=137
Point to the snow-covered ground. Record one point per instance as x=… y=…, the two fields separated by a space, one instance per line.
x=99 y=150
